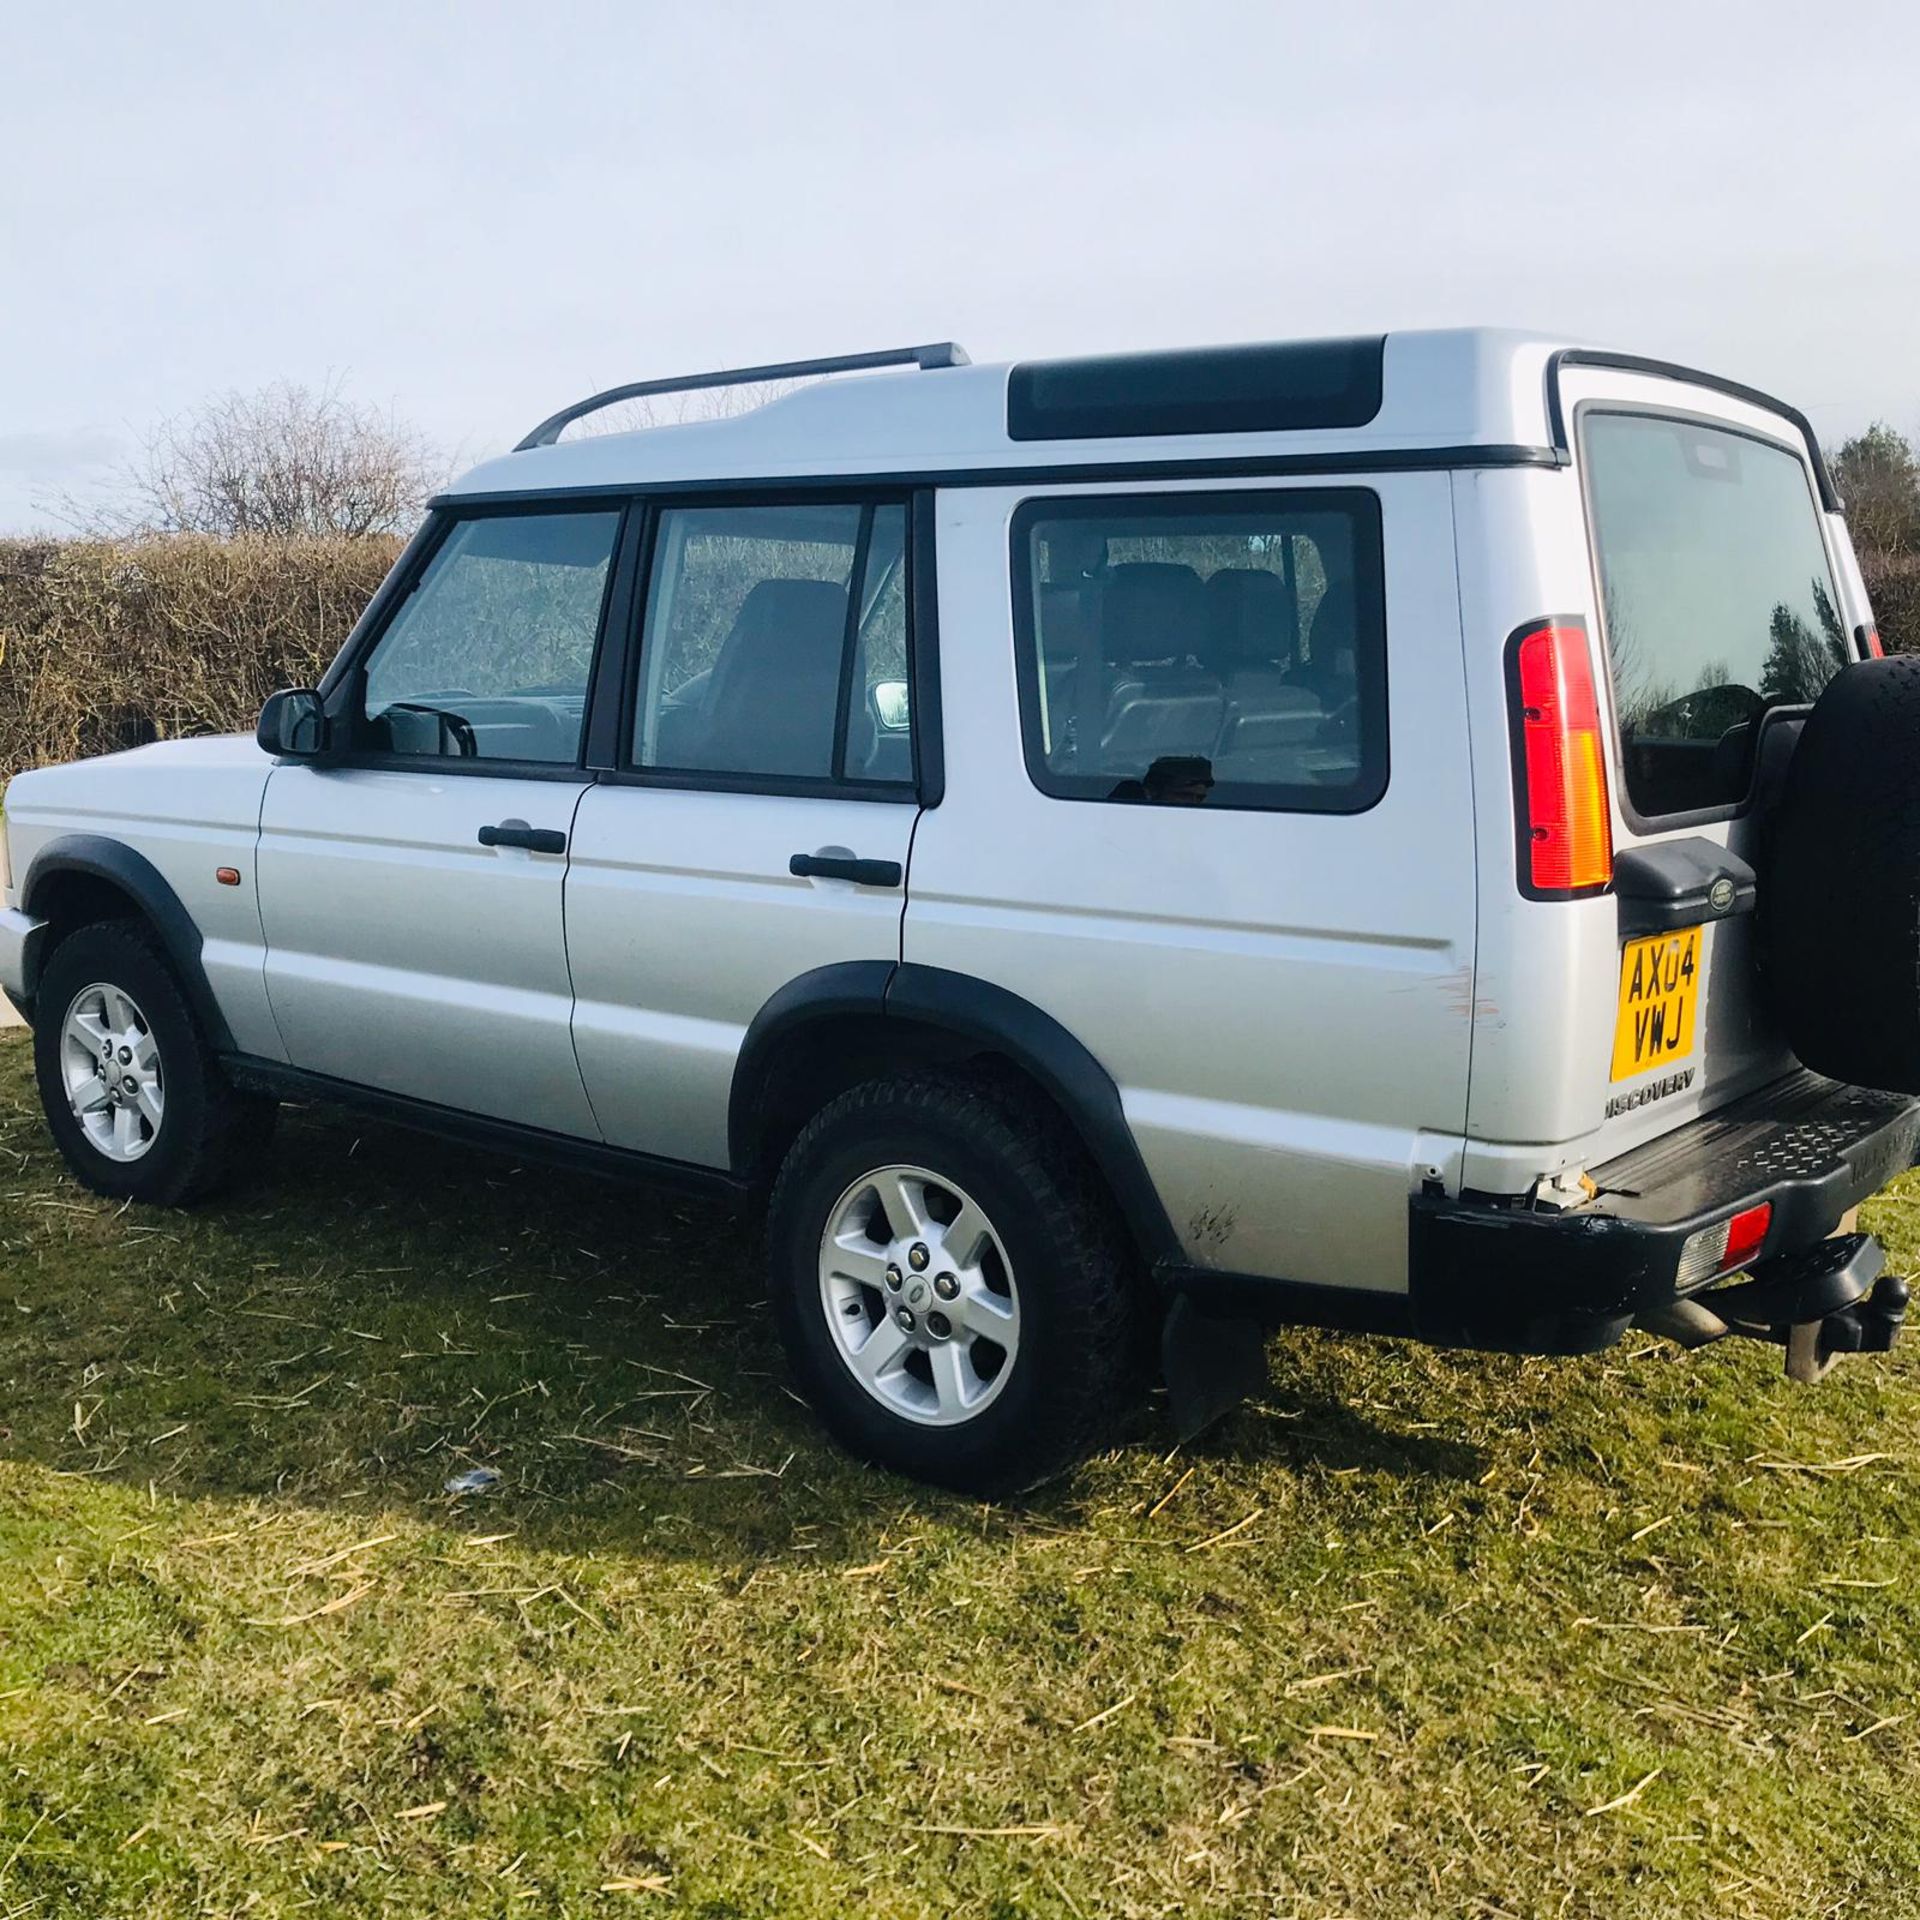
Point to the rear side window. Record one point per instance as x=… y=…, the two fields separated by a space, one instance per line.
x=1717 y=598
x=1204 y=649
x=775 y=646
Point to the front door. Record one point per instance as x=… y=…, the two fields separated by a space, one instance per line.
x=770 y=728
x=412 y=892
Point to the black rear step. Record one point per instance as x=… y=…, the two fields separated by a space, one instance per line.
x=1486 y=1272
x=1811 y=1138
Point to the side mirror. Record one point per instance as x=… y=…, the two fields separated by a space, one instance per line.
x=293 y=725
x=890 y=705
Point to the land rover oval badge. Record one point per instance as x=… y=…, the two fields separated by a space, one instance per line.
x=1720 y=894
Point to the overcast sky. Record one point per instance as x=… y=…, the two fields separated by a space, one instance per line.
x=475 y=213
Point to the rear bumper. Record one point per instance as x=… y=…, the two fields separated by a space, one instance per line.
x=1487 y=1273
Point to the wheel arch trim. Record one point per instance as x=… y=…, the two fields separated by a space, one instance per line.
x=99 y=858
x=975 y=1011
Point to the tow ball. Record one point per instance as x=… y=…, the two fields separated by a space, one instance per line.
x=1834 y=1298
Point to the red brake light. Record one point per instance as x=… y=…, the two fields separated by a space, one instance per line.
x=1746 y=1232
x=1871 y=637
x=1566 y=821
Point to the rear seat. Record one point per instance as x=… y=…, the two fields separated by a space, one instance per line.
x=1152 y=624
x=1251 y=626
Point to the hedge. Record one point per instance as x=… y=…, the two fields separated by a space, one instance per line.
x=104 y=643
x=1893 y=585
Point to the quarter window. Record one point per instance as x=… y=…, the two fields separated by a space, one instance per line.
x=488 y=657
x=775 y=645
x=1718 y=599
x=1220 y=650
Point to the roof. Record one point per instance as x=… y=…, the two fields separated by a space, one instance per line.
x=1419 y=395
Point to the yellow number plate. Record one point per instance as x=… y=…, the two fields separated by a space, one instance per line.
x=1659 y=997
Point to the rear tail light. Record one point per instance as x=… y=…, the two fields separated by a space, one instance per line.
x=1870 y=643
x=1566 y=829
x=1725 y=1247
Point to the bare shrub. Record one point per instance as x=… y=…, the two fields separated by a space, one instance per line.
x=1879 y=480
x=289 y=462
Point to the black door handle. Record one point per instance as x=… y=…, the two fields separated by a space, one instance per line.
x=516 y=833
x=838 y=866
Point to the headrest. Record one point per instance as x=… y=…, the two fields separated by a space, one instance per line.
x=1248 y=619
x=1151 y=610
x=1332 y=636
x=770 y=704
x=784 y=615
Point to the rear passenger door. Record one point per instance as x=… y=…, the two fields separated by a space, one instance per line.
x=1215 y=816
x=768 y=724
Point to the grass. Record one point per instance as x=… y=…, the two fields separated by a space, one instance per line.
x=1418 y=1634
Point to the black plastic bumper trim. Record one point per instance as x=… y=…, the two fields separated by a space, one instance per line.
x=1489 y=1273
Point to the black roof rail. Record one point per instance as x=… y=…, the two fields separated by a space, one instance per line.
x=935 y=353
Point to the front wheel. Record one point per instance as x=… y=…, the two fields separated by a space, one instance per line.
x=954 y=1291
x=133 y=1094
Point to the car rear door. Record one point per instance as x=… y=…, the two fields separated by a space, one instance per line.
x=411 y=889
x=1690 y=571
x=758 y=825
x=1214 y=816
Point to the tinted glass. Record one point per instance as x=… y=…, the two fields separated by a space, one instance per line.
x=489 y=656
x=753 y=660
x=1260 y=389
x=1204 y=649
x=1717 y=595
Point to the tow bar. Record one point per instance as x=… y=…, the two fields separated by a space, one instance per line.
x=1832 y=1299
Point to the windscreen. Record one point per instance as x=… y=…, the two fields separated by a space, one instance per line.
x=1717 y=596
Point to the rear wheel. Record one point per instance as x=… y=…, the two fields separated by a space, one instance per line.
x=132 y=1091
x=954 y=1292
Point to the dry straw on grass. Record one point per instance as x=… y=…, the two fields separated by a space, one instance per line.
x=109 y=642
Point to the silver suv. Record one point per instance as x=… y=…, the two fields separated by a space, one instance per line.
x=1406 y=833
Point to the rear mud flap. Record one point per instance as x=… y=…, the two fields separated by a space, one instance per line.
x=1210 y=1363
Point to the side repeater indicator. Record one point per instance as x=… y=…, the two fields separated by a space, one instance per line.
x=227 y=876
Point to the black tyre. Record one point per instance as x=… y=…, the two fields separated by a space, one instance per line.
x=132 y=1092
x=954 y=1290
x=1840 y=898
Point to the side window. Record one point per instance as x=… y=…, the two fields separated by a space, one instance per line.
x=775 y=645
x=1204 y=649
x=488 y=657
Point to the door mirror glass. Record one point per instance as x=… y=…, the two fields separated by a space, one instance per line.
x=890 y=705
x=293 y=724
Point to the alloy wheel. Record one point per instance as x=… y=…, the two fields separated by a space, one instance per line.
x=110 y=1066
x=919 y=1295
